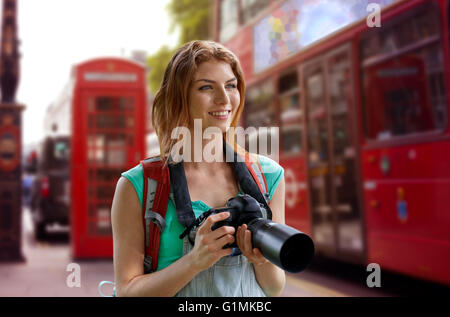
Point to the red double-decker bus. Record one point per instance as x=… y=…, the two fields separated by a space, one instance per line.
x=360 y=96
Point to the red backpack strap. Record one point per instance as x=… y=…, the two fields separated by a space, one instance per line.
x=256 y=171
x=154 y=206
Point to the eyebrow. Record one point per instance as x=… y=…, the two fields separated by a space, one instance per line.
x=212 y=81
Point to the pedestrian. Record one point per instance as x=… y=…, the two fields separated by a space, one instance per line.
x=203 y=82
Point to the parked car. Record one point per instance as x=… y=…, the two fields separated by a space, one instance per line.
x=50 y=192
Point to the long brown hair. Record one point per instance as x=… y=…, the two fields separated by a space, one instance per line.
x=171 y=103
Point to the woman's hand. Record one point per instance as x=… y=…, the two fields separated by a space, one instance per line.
x=208 y=246
x=244 y=242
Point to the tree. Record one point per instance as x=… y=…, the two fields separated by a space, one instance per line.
x=193 y=19
x=157 y=64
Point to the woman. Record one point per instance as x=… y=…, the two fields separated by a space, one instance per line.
x=203 y=81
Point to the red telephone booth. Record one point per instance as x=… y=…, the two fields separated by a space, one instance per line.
x=108 y=137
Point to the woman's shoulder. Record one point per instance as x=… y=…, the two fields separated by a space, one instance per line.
x=133 y=172
x=273 y=173
x=269 y=166
x=136 y=177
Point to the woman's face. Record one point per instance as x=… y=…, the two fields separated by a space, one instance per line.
x=214 y=96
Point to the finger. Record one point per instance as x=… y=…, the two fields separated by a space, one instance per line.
x=248 y=240
x=257 y=253
x=241 y=242
x=259 y=257
x=243 y=239
x=239 y=238
x=245 y=247
x=220 y=243
x=220 y=232
x=225 y=252
x=206 y=226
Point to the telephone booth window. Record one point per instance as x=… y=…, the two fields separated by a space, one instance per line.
x=110 y=134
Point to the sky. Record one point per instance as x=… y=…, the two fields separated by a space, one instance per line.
x=56 y=34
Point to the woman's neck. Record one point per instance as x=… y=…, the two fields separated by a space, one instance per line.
x=207 y=155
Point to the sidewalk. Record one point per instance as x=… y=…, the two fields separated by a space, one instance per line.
x=45 y=271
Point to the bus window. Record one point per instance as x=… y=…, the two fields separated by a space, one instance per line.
x=291 y=115
x=55 y=153
x=403 y=79
x=61 y=151
x=341 y=100
x=317 y=117
x=260 y=106
x=259 y=113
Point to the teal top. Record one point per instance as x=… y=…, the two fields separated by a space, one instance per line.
x=171 y=246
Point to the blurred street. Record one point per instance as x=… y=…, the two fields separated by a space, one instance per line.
x=44 y=272
x=329 y=278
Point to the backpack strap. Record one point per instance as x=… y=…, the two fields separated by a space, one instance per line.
x=258 y=175
x=154 y=206
x=250 y=176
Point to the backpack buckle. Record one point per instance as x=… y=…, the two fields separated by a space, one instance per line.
x=148 y=264
x=156 y=218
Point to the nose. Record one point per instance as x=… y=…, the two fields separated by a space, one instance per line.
x=221 y=96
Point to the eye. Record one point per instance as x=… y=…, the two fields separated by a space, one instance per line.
x=205 y=87
x=232 y=86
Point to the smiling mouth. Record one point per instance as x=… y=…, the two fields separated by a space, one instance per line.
x=220 y=114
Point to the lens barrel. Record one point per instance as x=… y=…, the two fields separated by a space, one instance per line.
x=284 y=246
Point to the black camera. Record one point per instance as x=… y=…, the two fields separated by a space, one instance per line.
x=284 y=246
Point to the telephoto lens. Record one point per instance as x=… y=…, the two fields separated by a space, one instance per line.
x=284 y=246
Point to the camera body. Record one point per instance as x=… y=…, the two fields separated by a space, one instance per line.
x=243 y=209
